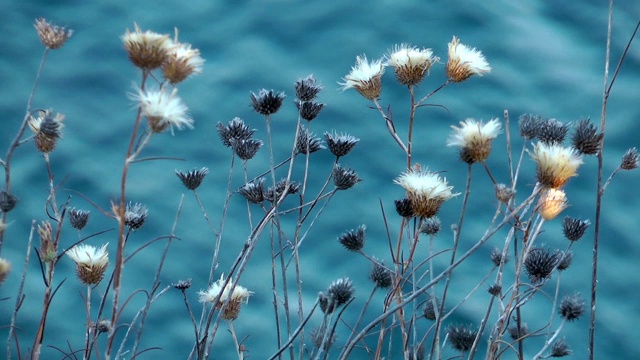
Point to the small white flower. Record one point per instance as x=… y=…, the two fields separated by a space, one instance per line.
x=88 y=255
x=411 y=63
x=181 y=62
x=365 y=77
x=465 y=61
x=474 y=138
x=147 y=50
x=240 y=293
x=425 y=190
x=556 y=164
x=163 y=108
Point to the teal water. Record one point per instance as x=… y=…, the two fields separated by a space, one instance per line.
x=546 y=58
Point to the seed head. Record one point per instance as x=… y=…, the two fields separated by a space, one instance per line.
x=411 y=64
x=307 y=142
x=556 y=164
x=78 y=218
x=253 y=191
x=91 y=262
x=540 y=263
x=181 y=62
x=8 y=201
x=431 y=308
x=246 y=149
x=431 y=226
x=551 y=203
x=267 y=102
x=560 y=348
x=498 y=257
x=571 y=307
x=344 y=178
x=365 y=77
x=340 y=145
x=573 y=229
x=380 y=275
x=495 y=290
x=461 y=337
x=353 y=240
x=474 y=139
x=404 y=208
x=339 y=293
x=192 y=179
x=47 y=128
x=135 y=215
x=163 y=109
x=529 y=125
x=464 y=62
x=182 y=285
x=52 y=36
x=565 y=259
x=586 y=139
x=309 y=109
x=629 y=159
x=504 y=194
x=519 y=333
x=218 y=290
x=426 y=191
x=147 y=50
x=552 y=132
x=103 y=326
x=273 y=194
x=307 y=89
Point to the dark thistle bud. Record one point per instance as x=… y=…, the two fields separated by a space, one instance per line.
x=416 y=353
x=518 y=333
x=135 y=216
x=246 y=149
x=540 y=263
x=182 y=285
x=560 y=348
x=431 y=308
x=565 y=259
x=552 y=131
x=344 y=178
x=529 y=126
x=253 y=191
x=403 y=207
x=629 y=159
x=307 y=142
x=78 y=218
x=353 y=240
x=504 y=194
x=193 y=178
x=431 y=226
x=309 y=109
x=339 y=293
x=306 y=89
x=461 y=337
x=586 y=138
x=103 y=326
x=573 y=229
x=495 y=290
x=274 y=193
x=267 y=102
x=52 y=36
x=340 y=145
x=235 y=129
x=380 y=275
x=497 y=257
x=47 y=128
x=8 y=201
x=571 y=307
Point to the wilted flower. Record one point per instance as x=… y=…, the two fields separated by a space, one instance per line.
x=182 y=285
x=91 y=262
x=163 y=108
x=253 y=191
x=461 y=337
x=403 y=207
x=365 y=77
x=551 y=203
x=353 y=239
x=566 y=257
x=340 y=145
x=307 y=89
x=504 y=194
x=78 y=218
x=47 y=128
x=573 y=229
x=431 y=226
x=552 y=131
x=234 y=129
x=267 y=102
x=309 y=109
x=5 y=268
x=540 y=263
x=629 y=159
x=495 y=290
x=560 y=348
x=147 y=50
x=556 y=164
x=498 y=257
x=529 y=126
x=586 y=138
x=7 y=201
x=474 y=139
x=239 y=295
x=135 y=216
x=274 y=193
x=181 y=61
x=465 y=61
x=344 y=178
x=338 y=294
x=192 y=179
x=52 y=36
x=380 y=275
x=411 y=63
x=431 y=308
x=426 y=191
x=307 y=143
x=571 y=307
x=246 y=149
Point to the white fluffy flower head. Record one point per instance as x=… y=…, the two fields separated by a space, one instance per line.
x=163 y=108
x=556 y=164
x=182 y=61
x=551 y=203
x=465 y=61
x=365 y=77
x=474 y=138
x=236 y=298
x=411 y=63
x=425 y=190
x=147 y=50
x=88 y=255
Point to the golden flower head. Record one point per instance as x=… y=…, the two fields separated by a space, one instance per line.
x=425 y=190
x=47 y=128
x=411 y=63
x=239 y=295
x=551 y=203
x=147 y=50
x=52 y=36
x=5 y=268
x=91 y=262
x=181 y=62
x=474 y=139
x=163 y=108
x=556 y=164
x=465 y=61
x=365 y=77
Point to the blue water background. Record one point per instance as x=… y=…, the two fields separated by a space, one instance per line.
x=547 y=58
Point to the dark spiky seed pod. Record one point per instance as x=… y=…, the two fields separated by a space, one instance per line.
x=267 y=102
x=307 y=142
x=431 y=226
x=529 y=126
x=353 y=240
x=192 y=179
x=253 y=191
x=380 y=275
x=246 y=149
x=518 y=333
x=338 y=294
x=8 y=201
x=540 y=263
x=306 y=89
x=274 y=193
x=431 y=308
x=552 y=131
x=309 y=109
x=461 y=337
x=565 y=259
x=571 y=307
x=573 y=229
x=586 y=138
x=78 y=218
x=404 y=208
x=135 y=216
x=629 y=159
x=340 y=145
x=560 y=348
x=234 y=129
x=182 y=285
x=344 y=178
x=50 y=126
x=495 y=290
x=497 y=257
x=103 y=326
